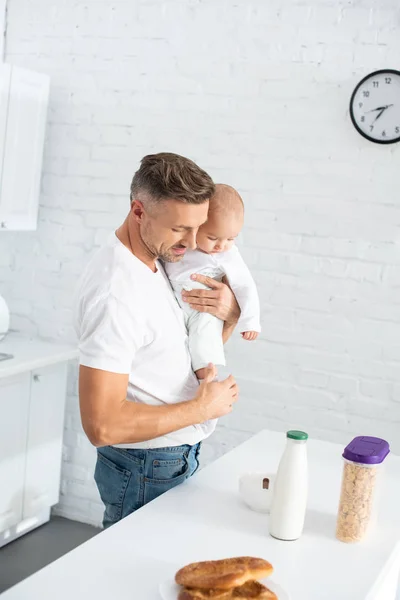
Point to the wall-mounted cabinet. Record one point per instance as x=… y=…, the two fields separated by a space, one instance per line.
x=24 y=99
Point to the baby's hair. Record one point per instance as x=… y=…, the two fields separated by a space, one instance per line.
x=226 y=200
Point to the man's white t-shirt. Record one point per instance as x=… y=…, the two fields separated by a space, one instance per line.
x=129 y=321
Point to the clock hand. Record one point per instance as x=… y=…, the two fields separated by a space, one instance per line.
x=376 y=109
x=380 y=114
x=380 y=108
x=382 y=111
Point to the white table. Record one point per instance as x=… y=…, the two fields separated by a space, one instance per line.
x=204 y=519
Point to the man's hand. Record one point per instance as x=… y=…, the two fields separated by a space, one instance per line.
x=219 y=301
x=215 y=398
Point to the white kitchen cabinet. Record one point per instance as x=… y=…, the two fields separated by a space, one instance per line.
x=32 y=402
x=23 y=107
x=44 y=441
x=14 y=401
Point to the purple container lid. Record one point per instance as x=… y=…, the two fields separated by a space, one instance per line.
x=367 y=450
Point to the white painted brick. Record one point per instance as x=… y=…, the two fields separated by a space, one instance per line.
x=378 y=428
x=224 y=440
x=355 y=18
x=85 y=456
x=376 y=389
x=67 y=234
x=359 y=348
x=61 y=217
x=365 y=272
x=339 y=54
x=392 y=353
x=95 y=515
x=337 y=324
x=111 y=153
x=383 y=253
x=69 y=505
x=108 y=186
x=78 y=489
x=313 y=379
x=83 y=203
x=374 y=55
x=73 y=472
x=241 y=419
x=101 y=236
x=21 y=307
x=298 y=418
x=104 y=220
x=73 y=253
x=391 y=275
x=342 y=385
x=69 y=149
x=258 y=94
x=396 y=393
x=271 y=240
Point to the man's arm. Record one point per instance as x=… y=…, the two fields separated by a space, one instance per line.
x=227 y=331
x=219 y=301
x=110 y=334
x=108 y=418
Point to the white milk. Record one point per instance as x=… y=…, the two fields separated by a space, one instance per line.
x=289 y=499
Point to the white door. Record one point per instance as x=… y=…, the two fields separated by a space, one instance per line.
x=23 y=150
x=45 y=437
x=14 y=406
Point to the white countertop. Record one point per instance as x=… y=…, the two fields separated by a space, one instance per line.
x=204 y=519
x=31 y=353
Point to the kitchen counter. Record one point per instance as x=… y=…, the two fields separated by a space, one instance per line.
x=30 y=353
x=204 y=519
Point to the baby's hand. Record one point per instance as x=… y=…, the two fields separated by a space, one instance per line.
x=249 y=335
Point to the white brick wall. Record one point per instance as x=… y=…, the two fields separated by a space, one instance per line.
x=257 y=93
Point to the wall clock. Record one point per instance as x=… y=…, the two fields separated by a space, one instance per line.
x=375 y=107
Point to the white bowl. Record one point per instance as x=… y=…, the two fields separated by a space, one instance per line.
x=256 y=489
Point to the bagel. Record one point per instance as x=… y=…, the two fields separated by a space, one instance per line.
x=223 y=574
x=251 y=590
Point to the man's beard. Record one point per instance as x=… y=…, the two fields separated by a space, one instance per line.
x=158 y=253
x=169 y=256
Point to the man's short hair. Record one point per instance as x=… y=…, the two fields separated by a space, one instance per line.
x=167 y=176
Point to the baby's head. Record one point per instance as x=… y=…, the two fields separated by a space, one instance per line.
x=224 y=222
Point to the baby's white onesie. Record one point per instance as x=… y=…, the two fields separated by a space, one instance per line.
x=205 y=330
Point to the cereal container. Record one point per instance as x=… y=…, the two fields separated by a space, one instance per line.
x=363 y=459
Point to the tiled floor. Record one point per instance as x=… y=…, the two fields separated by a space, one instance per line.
x=42 y=546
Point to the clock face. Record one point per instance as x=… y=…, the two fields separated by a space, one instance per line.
x=375 y=107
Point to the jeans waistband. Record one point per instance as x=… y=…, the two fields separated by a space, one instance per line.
x=168 y=449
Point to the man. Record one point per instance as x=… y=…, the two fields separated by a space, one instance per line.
x=140 y=401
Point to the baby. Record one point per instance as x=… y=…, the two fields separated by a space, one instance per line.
x=216 y=256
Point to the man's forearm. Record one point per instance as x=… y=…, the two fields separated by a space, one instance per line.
x=148 y=422
x=135 y=422
x=108 y=418
x=227 y=331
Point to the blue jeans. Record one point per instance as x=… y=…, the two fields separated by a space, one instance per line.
x=128 y=479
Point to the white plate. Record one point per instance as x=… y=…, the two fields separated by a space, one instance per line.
x=169 y=590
